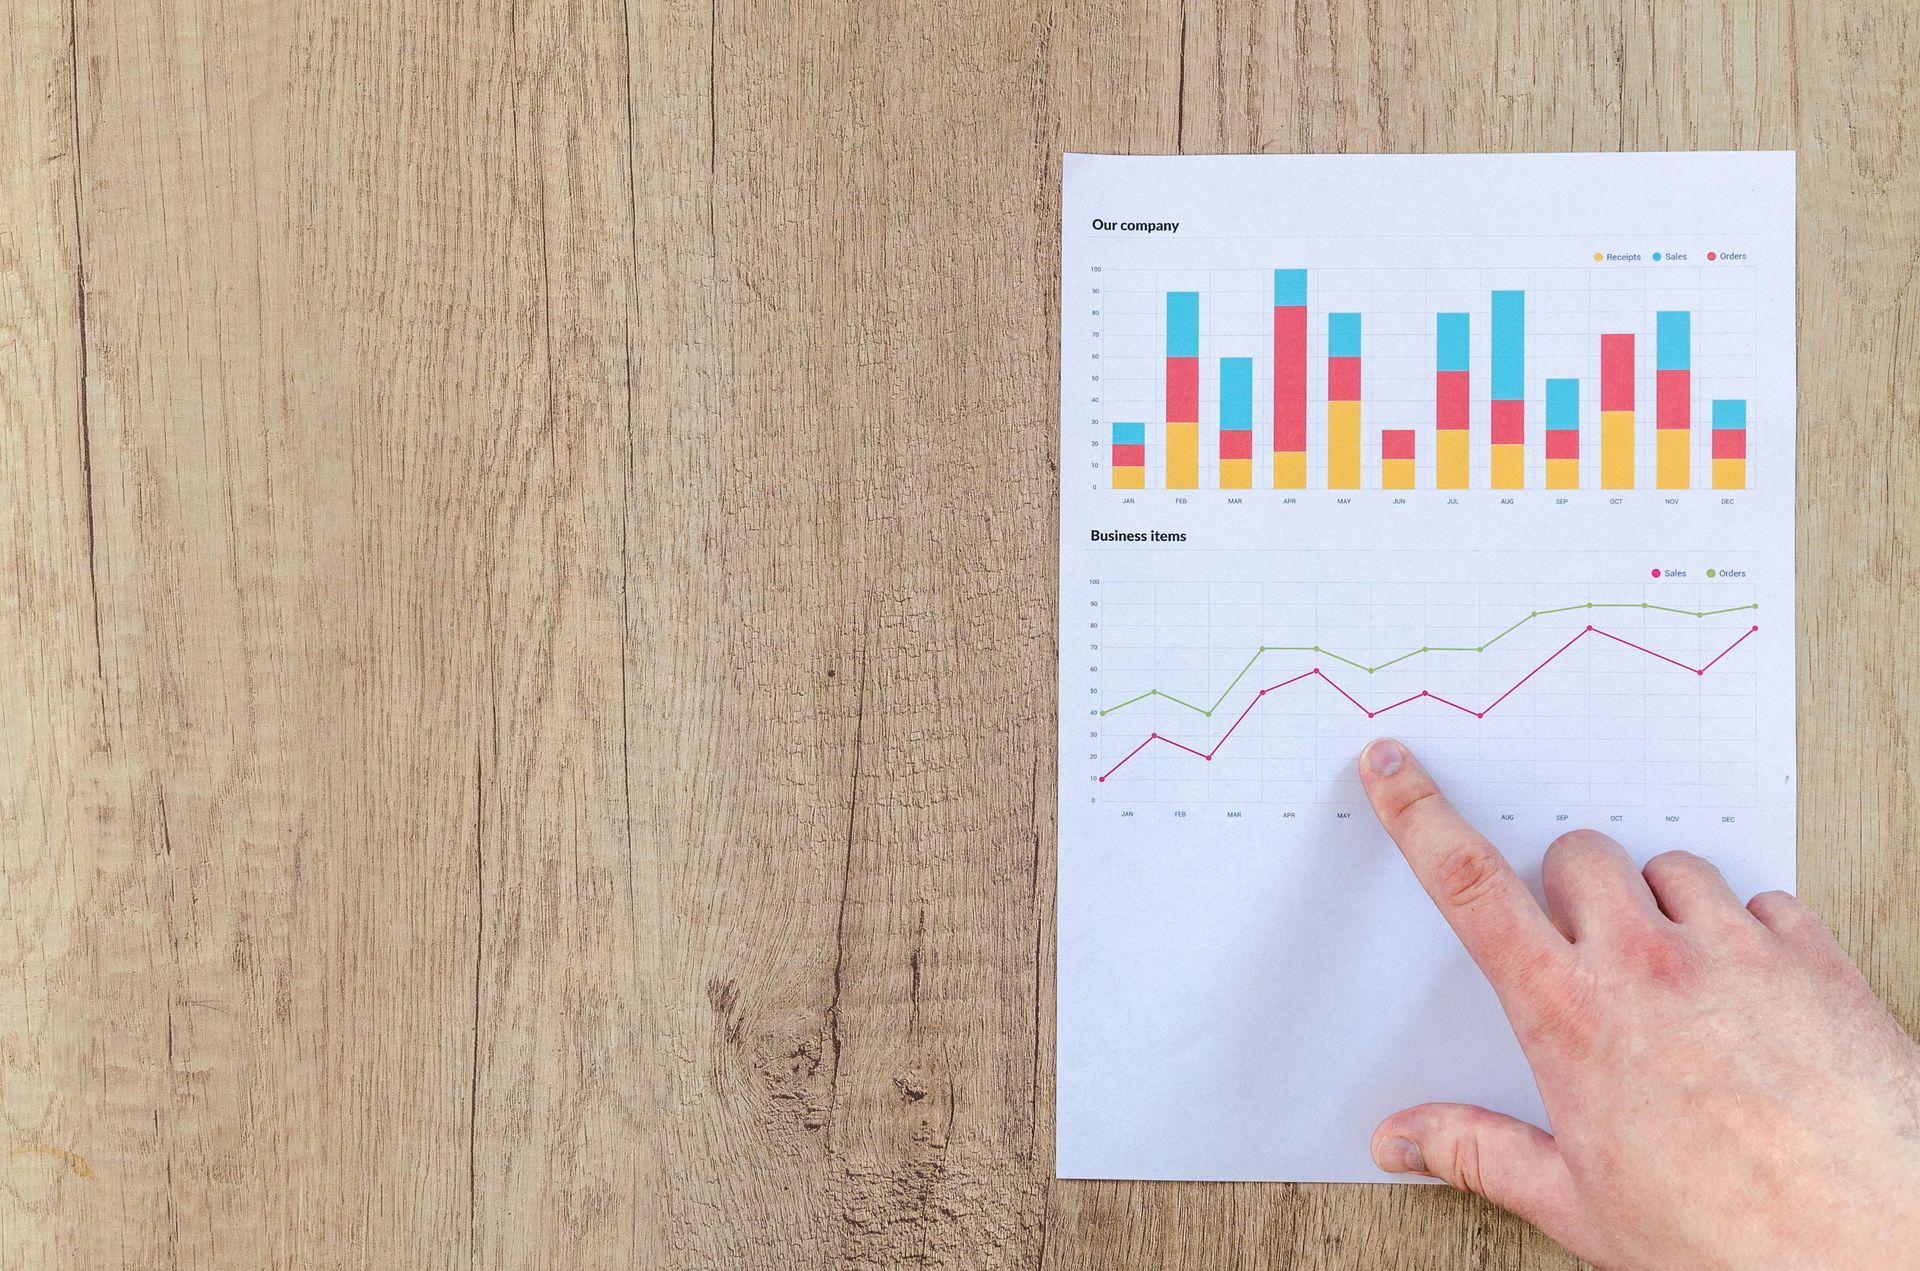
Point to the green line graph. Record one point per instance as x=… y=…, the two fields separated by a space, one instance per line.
x=1482 y=647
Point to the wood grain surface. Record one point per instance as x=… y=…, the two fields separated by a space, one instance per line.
x=527 y=599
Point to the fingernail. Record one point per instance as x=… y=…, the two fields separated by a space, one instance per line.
x=1400 y=1156
x=1383 y=757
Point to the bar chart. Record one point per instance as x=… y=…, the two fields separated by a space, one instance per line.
x=1452 y=399
x=1401 y=379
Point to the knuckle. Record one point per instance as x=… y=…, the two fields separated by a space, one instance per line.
x=1465 y=1166
x=1677 y=861
x=1659 y=956
x=1776 y=903
x=1575 y=849
x=1684 y=871
x=1783 y=914
x=1468 y=873
x=1410 y=799
x=1579 y=839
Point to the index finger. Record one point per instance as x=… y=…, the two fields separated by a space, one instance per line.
x=1471 y=883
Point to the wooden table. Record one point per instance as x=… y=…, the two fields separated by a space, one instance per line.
x=527 y=638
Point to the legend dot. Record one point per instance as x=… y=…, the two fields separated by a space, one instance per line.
x=1656 y=573
x=1712 y=256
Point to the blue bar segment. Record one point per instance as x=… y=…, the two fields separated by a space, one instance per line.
x=1673 y=340
x=1343 y=335
x=1236 y=393
x=1183 y=324
x=1129 y=434
x=1450 y=342
x=1289 y=288
x=1509 y=345
x=1730 y=412
x=1563 y=404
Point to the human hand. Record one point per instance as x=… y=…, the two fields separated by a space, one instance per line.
x=1724 y=1088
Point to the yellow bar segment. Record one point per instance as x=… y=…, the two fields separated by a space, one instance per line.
x=1343 y=445
x=1289 y=469
x=1129 y=478
x=1729 y=474
x=1616 y=450
x=1563 y=474
x=1396 y=474
x=1183 y=456
x=1450 y=458
x=1236 y=474
x=1672 y=458
x=1509 y=467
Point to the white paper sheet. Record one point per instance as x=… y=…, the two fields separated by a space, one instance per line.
x=1249 y=977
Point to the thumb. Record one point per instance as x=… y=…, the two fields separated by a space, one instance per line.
x=1515 y=1165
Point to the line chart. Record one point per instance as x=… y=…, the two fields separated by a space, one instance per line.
x=1427 y=695
x=1482 y=647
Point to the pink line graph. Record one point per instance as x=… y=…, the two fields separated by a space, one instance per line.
x=1317 y=673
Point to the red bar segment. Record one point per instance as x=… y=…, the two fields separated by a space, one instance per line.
x=1729 y=443
x=1183 y=390
x=1236 y=443
x=1450 y=399
x=1396 y=443
x=1343 y=379
x=1616 y=372
x=1125 y=456
x=1290 y=377
x=1563 y=443
x=1509 y=423
x=1672 y=395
